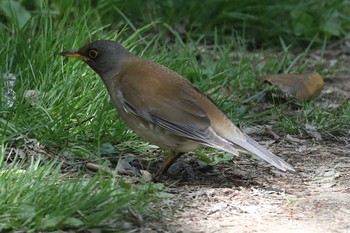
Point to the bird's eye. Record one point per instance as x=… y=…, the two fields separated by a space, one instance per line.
x=93 y=53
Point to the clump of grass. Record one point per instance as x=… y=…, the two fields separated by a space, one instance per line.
x=259 y=22
x=70 y=112
x=326 y=121
x=39 y=197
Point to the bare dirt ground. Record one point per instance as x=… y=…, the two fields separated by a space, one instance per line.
x=253 y=197
x=247 y=198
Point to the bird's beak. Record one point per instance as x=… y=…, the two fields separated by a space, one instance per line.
x=74 y=54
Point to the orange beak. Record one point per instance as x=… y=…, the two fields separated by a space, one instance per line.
x=74 y=54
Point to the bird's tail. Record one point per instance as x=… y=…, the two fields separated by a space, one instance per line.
x=238 y=141
x=250 y=145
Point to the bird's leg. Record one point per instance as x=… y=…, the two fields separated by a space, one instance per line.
x=172 y=157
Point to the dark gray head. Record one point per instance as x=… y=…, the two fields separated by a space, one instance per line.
x=105 y=57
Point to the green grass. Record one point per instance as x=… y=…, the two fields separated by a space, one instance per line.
x=261 y=22
x=71 y=116
x=38 y=197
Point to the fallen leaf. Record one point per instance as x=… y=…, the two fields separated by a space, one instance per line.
x=146 y=176
x=124 y=167
x=300 y=86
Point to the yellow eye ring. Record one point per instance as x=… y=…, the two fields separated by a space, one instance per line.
x=93 y=53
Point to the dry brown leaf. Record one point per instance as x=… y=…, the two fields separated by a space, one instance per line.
x=147 y=177
x=300 y=86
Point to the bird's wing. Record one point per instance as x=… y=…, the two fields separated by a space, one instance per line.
x=171 y=103
x=179 y=114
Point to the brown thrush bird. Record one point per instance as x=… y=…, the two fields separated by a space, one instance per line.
x=163 y=107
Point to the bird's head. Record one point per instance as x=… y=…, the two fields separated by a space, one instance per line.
x=105 y=57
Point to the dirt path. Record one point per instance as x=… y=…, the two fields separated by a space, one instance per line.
x=244 y=198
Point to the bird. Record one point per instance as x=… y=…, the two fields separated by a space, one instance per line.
x=165 y=108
